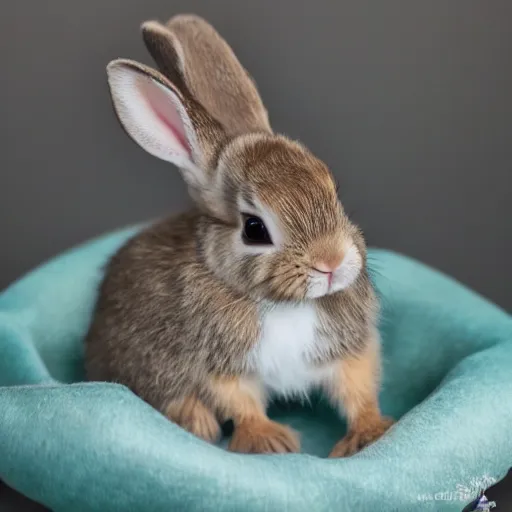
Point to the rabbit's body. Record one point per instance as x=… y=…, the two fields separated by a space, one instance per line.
x=262 y=289
x=175 y=322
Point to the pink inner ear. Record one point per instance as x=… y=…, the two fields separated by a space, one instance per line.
x=164 y=109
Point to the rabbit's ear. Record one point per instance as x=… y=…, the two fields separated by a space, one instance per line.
x=190 y=51
x=161 y=120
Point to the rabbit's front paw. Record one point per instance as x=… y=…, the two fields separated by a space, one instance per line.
x=264 y=436
x=356 y=440
x=194 y=416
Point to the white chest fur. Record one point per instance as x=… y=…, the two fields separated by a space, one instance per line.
x=288 y=343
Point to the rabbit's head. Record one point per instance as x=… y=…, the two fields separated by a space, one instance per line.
x=272 y=223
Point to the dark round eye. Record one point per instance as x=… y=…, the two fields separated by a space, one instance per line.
x=255 y=231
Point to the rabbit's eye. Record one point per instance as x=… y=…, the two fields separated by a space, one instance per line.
x=255 y=231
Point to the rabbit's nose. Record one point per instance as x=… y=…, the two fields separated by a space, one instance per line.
x=328 y=266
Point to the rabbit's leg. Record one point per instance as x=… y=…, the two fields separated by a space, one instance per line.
x=354 y=387
x=191 y=414
x=242 y=400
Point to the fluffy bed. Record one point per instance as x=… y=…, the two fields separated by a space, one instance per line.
x=76 y=446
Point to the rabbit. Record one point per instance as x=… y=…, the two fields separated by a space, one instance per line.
x=261 y=290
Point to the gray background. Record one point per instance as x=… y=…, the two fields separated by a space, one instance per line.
x=410 y=103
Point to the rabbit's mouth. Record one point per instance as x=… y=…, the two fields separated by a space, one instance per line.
x=324 y=280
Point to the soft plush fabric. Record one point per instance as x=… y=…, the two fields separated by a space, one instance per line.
x=77 y=446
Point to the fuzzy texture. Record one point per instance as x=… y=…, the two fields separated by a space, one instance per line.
x=164 y=322
x=96 y=447
x=191 y=311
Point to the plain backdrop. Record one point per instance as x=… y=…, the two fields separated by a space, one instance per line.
x=409 y=103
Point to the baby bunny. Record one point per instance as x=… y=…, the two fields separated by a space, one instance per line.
x=259 y=291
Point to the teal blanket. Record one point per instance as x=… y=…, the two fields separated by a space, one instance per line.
x=77 y=446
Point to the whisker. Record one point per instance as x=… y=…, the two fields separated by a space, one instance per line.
x=299 y=284
x=284 y=281
x=273 y=277
x=270 y=277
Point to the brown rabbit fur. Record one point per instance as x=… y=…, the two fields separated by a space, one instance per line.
x=200 y=315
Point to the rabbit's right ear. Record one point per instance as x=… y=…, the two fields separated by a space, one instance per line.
x=167 y=125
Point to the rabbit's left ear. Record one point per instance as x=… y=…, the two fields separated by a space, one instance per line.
x=162 y=121
x=192 y=54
